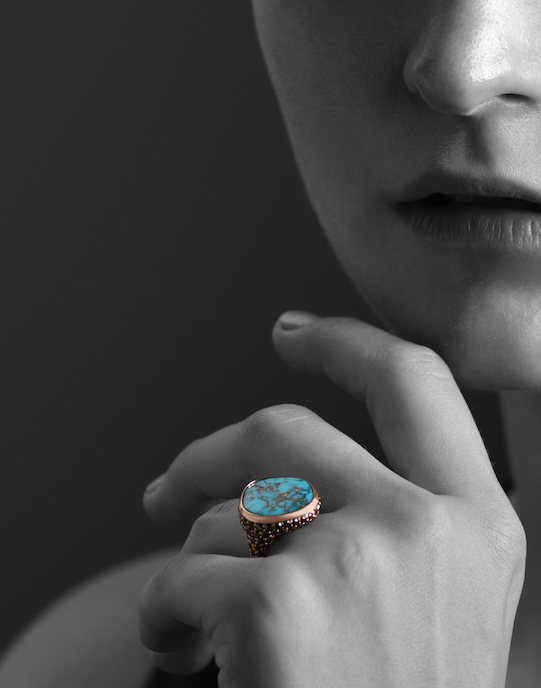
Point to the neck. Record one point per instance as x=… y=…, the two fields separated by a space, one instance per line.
x=522 y=423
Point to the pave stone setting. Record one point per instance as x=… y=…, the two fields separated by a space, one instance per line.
x=274 y=500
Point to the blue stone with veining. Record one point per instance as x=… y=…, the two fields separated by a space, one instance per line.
x=277 y=496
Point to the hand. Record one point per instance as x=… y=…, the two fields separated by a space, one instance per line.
x=410 y=577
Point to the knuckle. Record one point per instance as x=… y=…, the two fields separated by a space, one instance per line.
x=266 y=423
x=508 y=540
x=355 y=560
x=403 y=359
x=518 y=539
x=162 y=579
x=202 y=526
x=283 y=589
x=428 y=521
x=190 y=448
x=356 y=554
x=436 y=525
x=155 y=634
x=205 y=524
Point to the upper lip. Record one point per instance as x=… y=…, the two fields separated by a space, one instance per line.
x=451 y=184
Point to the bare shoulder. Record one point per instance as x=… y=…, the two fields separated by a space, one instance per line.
x=89 y=637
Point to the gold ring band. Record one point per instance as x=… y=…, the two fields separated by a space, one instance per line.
x=271 y=507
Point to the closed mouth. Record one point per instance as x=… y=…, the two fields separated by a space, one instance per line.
x=476 y=221
x=441 y=199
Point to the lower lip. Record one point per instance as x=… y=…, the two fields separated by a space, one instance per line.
x=475 y=226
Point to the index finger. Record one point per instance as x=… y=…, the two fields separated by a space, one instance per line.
x=423 y=422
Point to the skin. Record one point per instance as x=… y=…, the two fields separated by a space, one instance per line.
x=376 y=93
x=412 y=575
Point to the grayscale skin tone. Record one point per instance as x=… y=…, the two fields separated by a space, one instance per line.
x=378 y=95
x=417 y=130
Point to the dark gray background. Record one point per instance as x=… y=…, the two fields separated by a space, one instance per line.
x=153 y=226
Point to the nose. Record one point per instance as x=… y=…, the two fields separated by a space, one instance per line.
x=472 y=52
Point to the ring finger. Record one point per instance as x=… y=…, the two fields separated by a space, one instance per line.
x=284 y=440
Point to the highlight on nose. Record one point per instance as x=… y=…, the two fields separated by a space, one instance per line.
x=471 y=52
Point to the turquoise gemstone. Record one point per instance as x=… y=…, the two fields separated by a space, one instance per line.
x=277 y=496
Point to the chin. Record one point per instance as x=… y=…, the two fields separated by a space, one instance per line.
x=498 y=345
x=489 y=349
x=507 y=369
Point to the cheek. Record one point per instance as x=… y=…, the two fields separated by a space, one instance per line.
x=337 y=69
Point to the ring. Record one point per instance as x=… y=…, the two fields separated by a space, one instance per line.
x=272 y=507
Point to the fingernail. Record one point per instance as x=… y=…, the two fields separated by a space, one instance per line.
x=155 y=484
x=292 y=320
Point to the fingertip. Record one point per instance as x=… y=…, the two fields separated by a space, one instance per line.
x=292 y=346
x=157 y=506
x=151 y=491
x=294 y=320
x=286 y=327
x=155 y=485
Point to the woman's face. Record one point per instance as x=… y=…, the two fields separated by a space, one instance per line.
x=417 y=128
